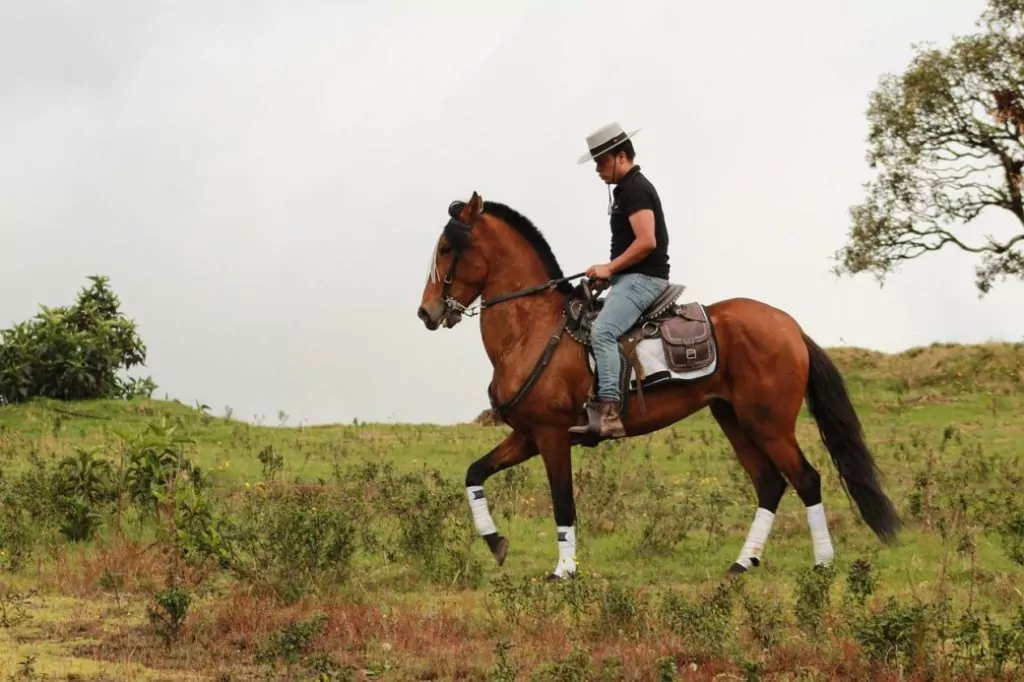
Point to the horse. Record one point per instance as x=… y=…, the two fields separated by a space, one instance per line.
x=762 y=367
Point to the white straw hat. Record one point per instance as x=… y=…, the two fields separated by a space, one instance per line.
x=605 y=138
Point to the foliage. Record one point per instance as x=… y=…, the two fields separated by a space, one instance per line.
x=345 y=552
x=948 y=136
x=292 y=642
x=168 y=612
x=73 y=352
x=294 y=544
x=153 y=460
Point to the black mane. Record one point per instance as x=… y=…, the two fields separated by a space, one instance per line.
x=533 y=236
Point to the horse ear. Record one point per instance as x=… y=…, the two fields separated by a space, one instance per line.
x=475 y=207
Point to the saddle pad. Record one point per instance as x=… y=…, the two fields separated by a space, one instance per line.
x=651 y=356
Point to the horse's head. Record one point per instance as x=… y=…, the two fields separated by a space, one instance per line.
x=457 y=267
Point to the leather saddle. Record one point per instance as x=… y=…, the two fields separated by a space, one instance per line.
x=685 y=330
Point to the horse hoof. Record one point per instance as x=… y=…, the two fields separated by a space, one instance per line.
x=739 y=569
x=501 y=551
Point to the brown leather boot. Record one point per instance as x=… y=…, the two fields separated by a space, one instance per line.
x=603 y=420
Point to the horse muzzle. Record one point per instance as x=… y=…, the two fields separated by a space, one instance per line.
x=430 y=321
x=437 y=314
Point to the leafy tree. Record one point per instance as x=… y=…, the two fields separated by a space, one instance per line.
x=947 y=136
x=73 y=353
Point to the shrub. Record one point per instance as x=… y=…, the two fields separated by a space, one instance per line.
x=73 y=352
x=297 y=543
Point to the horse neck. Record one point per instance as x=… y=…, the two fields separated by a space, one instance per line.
x=519 y=325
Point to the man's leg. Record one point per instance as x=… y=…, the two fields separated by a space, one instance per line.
x=616 y=317
x=628 y=296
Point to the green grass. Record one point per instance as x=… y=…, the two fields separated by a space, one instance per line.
x=368 y=525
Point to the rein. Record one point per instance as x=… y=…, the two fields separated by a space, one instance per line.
x=457 y=233
x=472 y=311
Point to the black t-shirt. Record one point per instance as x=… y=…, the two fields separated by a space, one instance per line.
x=635 y=192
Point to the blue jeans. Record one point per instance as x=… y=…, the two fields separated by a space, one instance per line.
x=629 y=295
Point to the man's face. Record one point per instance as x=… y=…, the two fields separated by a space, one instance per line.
x=607 y=166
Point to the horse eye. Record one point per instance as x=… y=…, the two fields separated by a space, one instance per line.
x=444 y=250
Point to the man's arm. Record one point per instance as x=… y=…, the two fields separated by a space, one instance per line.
x=642 y=222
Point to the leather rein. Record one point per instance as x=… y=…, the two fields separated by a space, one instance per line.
x=457 y=234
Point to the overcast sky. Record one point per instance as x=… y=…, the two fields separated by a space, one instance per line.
x=263 y=182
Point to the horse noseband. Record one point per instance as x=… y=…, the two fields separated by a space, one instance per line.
x=457 y=234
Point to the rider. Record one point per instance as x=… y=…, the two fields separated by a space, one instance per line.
x=638 y=271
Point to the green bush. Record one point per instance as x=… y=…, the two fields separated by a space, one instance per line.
x=293 y=543
x=73 y=352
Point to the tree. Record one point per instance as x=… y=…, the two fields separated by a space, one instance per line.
x=73 y=353
x=946 y=136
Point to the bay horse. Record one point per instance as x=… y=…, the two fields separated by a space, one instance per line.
x=765 y=367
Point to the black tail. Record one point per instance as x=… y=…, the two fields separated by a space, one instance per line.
x=841 y=433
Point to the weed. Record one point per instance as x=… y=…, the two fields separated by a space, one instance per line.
x=80 y=521
x=599 y=493
x=620 y=609
x=861 y=581
x=17 y=536
x=112 y=582
x=576 y=666
x=705 y=623
x=1005 y=643
x=168 y=611
x=272 y=462
x=667 y=669
x=1011 y=529
x=27 y=668
x=505 y=669
x=12 y=607
x=895 y=635
x=525 y=603
x=666 y=525
x=812 y=597
x=298 y=543
x=764 y=619
x=293 y=642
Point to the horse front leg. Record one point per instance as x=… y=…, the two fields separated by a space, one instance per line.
x=556 y=450
x=515 y=449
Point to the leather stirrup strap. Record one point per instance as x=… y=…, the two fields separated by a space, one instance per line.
x=633 y=360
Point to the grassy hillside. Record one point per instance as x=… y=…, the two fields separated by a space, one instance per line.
x=148 y=540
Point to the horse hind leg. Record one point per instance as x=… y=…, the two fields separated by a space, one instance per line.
x=782 y=448
x=768 y=482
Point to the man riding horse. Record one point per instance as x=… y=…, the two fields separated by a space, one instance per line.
x=764 y=364
x=637 y=272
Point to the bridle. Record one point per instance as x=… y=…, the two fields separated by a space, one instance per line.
x=457 y=234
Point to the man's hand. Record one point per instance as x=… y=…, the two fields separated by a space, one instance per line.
x=603 y=271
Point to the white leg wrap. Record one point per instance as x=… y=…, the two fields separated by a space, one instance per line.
x=823 y=551
x=566 y=551
x=756 y=538
x=478 y=507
